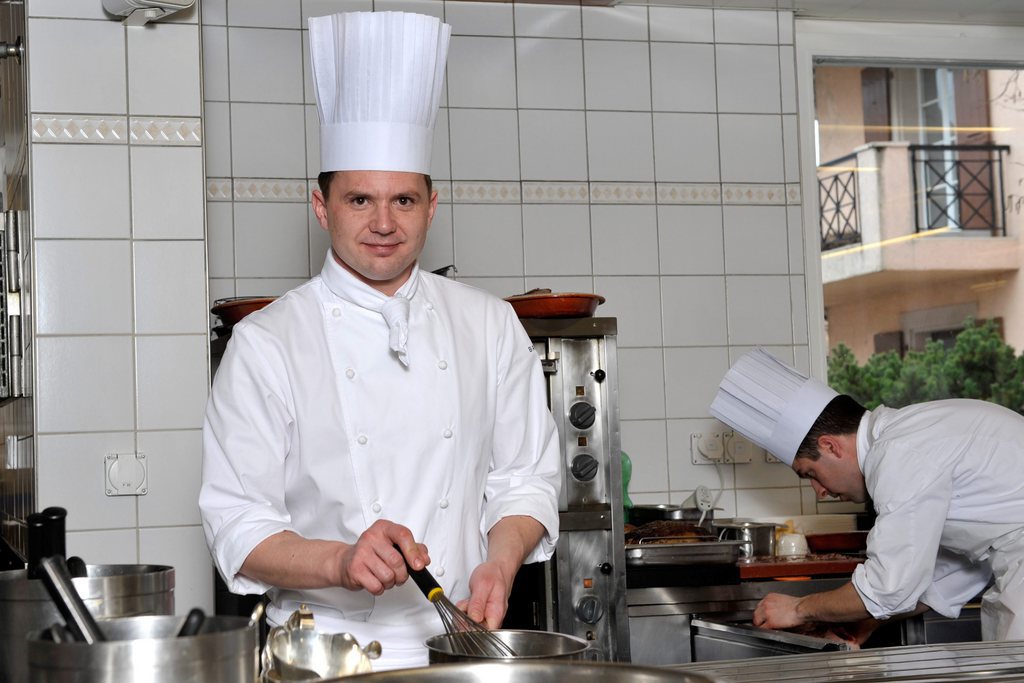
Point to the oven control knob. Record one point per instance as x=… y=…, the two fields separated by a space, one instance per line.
x=589 y=609
x=582 y=415
x=605 y=568
x=584 y=467
x=599 y=375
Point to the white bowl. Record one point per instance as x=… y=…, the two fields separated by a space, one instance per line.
x=791 y=545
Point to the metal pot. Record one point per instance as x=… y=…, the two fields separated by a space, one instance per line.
x=528 y=645
x=758 y=538
x=533 y=672
x=108 y=590
x=641 y=514
x=146 y=649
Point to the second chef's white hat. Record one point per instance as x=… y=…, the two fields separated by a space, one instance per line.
x=378 y=79
x=771 y=403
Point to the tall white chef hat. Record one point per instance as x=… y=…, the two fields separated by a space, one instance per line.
x=378 y=78
x=770 y=403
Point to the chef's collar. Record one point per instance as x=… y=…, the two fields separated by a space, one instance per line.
x=348 y=287
x=394 y=309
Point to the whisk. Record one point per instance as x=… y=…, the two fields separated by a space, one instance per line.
x=467 y=637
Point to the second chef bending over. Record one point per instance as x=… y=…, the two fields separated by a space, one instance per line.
x=378 y=404
x=946 y=479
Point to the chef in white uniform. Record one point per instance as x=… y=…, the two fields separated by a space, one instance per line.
x=946 y=479
x=378 y=404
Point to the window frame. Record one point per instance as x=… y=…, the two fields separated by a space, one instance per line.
x=876 y=44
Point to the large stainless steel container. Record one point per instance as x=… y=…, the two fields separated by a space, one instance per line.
x=528 y=645
x=109 y=590
x=532 y=672
x=226 y=650
x=758 y=537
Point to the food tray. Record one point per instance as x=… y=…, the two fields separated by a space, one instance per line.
x=701 y=552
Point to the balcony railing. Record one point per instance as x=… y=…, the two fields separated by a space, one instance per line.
x=837 y=194
x=959 y=187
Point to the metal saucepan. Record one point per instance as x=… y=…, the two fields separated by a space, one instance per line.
x=528 y=645
x=758 y=537
x=533 y=672
x=305 y=654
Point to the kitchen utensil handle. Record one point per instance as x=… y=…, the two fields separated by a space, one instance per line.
x=193 y=622
x=424 y=579
x=36 y=524
x=77 y=567
x=55 y=576
x=56 y=518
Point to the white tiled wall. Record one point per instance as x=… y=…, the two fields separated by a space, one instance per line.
x=644 y=153
x=118 y=210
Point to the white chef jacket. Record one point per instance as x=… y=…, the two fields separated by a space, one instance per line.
x=315 y=426
x=947 y=482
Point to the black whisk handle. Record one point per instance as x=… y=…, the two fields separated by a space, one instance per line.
x=424 y=579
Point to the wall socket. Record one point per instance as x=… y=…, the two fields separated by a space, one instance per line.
x=707 y=448
x=738 y=449
x=728 y=447
x=125 y=474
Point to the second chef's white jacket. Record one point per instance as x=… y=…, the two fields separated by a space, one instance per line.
x=315 y=426
x=947 y=482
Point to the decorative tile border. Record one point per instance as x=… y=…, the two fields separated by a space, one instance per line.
x=622 y=193
x=486 y=192
x=56 y=128
x=444 y=191
x=689 y=193
x=556 y=193
x=166 y=131
x=117 y=130
x=218 y=190
x=298 y=190
x=753 y=194
x=793 y=194
x=270 y=190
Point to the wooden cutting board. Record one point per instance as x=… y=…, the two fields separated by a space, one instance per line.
x=812 y=565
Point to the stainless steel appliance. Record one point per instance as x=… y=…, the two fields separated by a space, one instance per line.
x=715 y=640
x=662 y=618
x=678 y=624
x=582 y=590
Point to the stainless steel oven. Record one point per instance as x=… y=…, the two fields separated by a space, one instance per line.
x=582 y=590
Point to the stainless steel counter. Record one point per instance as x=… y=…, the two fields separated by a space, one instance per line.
x=995 y=661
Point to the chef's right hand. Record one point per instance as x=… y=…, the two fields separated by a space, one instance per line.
x=373 y=563
x=777 y=611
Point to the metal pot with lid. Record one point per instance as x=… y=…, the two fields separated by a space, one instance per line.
x=758 y=538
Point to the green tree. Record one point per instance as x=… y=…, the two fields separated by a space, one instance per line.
x=979 y=365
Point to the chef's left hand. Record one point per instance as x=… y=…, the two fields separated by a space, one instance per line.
x=777 y=611
x=489 y=589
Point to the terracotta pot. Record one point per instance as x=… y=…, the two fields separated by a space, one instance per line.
x=230 y=311
x=545 y=304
